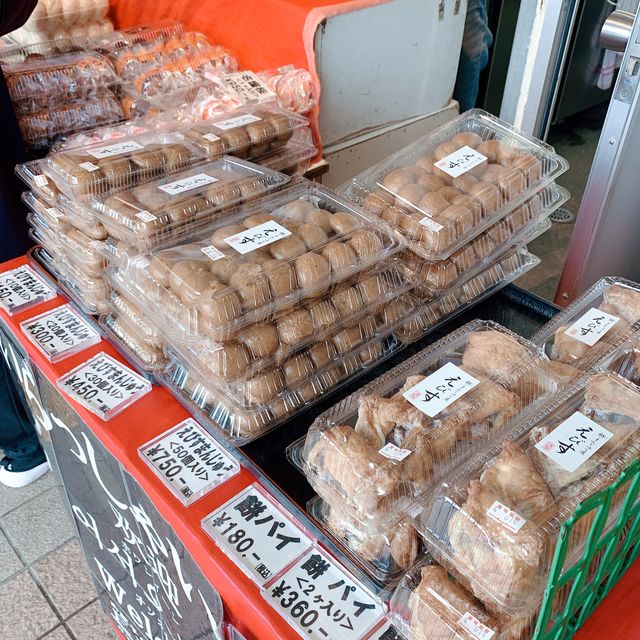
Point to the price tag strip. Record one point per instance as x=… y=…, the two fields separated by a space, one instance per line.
x=104 y=386
x=258 y=535
x=460 y=161
x=506 y=517
x=60 y=333
x=321 y=600
x=189 y=461
x=22 y=288
x=592 y=326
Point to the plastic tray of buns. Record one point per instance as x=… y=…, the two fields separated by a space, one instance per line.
x=383 y=555
x=32 y=174
x=592 y=326
x=455 y=182
x=293 y=159
x=624 y=360
x=293 y=245
x=122 y=306
x=430 y=603
x=158 y=211
x=119 y=164
x=389 y=442
x=53 y=217
x=90 y=293
x=496 y=521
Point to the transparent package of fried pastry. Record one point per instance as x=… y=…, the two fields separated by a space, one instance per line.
x=496 y=522
x=54 y=218
x=430 y=604
x=377 y=450
x=42 y=233
x=121 y=164
x=293 y=159
x=32 y=174
x=520 y=227
x=452 y=184
x=239 y=425
x=89 y=293
x=293 y=245
x=123 y=307
x=592 y=326
x=158 y=211
x=384 y=555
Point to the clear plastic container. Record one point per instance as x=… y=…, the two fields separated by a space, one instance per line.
x=625 y=360
x=122 y=164
x=455 y=182
x=289 y=246
x=384 y=556
x=429 y=603
x=123 y=307
x=53 y=217
x=496 y=521
x=293 y=159
x=157 y=212
x=32 y=174
x=91 y=294
x=293 y=87
x=392 y=440
x=593 y=325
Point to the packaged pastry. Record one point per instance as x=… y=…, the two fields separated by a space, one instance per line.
x=496 y=523
x=593 y=325
x=90 y=293
x=54 y=217
x=455 y=182
x=393 y=439
x=123 y=307
x=32 y=174
x=293 y=159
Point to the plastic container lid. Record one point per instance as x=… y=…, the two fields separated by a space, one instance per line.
x=154 y=213
x=593 y=325
x=283 y=248
x=53 y=217
x=91 y=294
x=496 y=521
x=453 y=183
x=295 y=157
x=372 y=453
x=124 y=308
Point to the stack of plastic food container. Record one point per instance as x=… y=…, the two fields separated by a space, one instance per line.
x=462 y=198
x=375 y=454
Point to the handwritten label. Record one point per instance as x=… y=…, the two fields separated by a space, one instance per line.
x=259 y=536
x=321 y=600
x=394 y=453
x=186 y=184
x=460 y=161
x=431 y=224
x=443 y=387
x=475 y=627
x=211 y=137
x=117 y=149
x=247 y=85
x=592 y=326
x=40 y=181
x=506 y=517
x=89 y=166
x=189 y=461
x=104 y=386
x=238 y=121
x=212 y=252
x=258 y=236
x=574 y=441
x=22 y=288
x=59 y=333
x=146 y=216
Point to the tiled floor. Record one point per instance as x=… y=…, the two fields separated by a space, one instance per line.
x=45 y=589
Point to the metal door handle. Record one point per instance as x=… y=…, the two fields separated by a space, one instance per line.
x=616 y=30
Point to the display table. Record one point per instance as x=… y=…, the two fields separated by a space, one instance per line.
x=157 y=572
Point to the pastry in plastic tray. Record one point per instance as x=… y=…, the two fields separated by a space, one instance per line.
x=53 y=217
x=496 y=522
x=90 y=293
x=395 y=437
x=121 y=164
x=293 y=87
x=450 y=185
x=294 y=159
x=122 y=306
x=293 y=245
x=593 y=325
x=383 y=555
x=168 y=208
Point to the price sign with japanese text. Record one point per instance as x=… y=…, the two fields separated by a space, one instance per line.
x=104 y=386
x=60 y=333
x=21 y=288
x=248 y=86
x=321 y=600
x=258 y=236
x=189 y=461
x=117 y=149
x=187 y=184
x=256 y=534
x=460 y=161
x=574 y=441
x=592 y=326
x=440 y=389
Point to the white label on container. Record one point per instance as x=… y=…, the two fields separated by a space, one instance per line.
x=189 y=461
x=89 y=166
x=431 y=224
x=247 y=85
x=22 y=287
x=140 y=262
x=394 y=453
x=212 y=252
x=116 y=149
x=506 y=517
x=40 y=181
x=186 y=184
x=321 y=600
x=146 y=216
x=574 y=441
x=211 y=137
x=460 y=161
x=443 y=387
x=257 y=237
x=59 y=332
x=259 y=536
x=103 y=385
x=592 y=326
x=475 y=627
x=238 y=121
x=54 y=213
